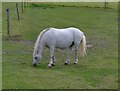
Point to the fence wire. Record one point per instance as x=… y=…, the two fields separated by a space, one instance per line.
x=11 y=16
x=14 y=12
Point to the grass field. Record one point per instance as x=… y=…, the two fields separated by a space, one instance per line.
x=0 y=46
x=98 y=70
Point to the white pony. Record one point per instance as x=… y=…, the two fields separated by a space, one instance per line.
x=59 y=38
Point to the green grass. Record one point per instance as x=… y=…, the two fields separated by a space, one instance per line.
x=0 y=46
x=110 y=5
x=98 y=70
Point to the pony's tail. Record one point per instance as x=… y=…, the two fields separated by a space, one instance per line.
x=83 y=47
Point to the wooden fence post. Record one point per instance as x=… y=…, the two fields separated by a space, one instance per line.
x=17 y=11
x=105 y=4
x=22 y=5
x=8 y=21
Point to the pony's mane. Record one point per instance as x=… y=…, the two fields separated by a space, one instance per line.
x=38 y=40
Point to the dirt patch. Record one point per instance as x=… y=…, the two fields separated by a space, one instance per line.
x=14 y=38
x=24 y=42
x=17 y=38
x=17 y=52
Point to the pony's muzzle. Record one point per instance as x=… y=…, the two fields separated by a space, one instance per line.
x=35 y=65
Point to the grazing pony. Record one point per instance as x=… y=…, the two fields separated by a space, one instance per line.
x=62 y=39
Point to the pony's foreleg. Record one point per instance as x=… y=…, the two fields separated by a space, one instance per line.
x=53 y=59
x=76 y=55
x=68 y=59
x=51 y=63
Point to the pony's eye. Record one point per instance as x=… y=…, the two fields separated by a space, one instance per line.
x=35 y=57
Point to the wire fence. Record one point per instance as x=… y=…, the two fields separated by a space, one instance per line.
x=13 y=12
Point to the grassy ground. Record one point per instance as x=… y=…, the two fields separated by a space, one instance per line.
x=99 y=69
x=110 y=5
x=0 y=46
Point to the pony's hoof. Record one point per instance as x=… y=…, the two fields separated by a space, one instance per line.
x=49 y=65
x=53 y=65
x=66 y=64
x=35 y=65
x=75 y=63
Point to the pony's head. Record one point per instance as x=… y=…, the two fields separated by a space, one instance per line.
x=36 y=60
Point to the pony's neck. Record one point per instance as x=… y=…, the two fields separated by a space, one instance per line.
x=40 y=48
x=39 y=45
x=38 y=51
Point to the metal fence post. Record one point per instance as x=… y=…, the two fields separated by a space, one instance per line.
x=17 y=11
x=8 y=21
x=22 y=6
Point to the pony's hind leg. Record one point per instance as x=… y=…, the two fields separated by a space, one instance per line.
x=68 y=59
x=76 y=55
